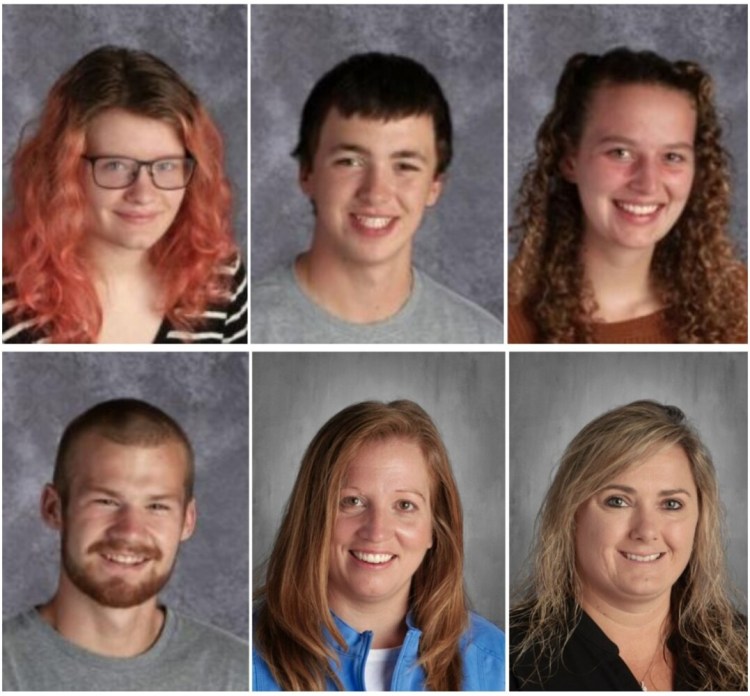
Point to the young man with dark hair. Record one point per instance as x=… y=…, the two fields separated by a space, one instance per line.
x=375 y=144
x=122 y=500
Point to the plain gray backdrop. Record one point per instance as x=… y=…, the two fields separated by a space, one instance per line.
x=207 y=393
x=553 y=395
x=292 y=46
x=205 y=44
x=542 y=37
x=294 y=394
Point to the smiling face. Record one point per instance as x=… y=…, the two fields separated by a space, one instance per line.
x=370 y=183
x=136 y=217
x=634 y=538
x=634 y=165
x=124 y=518
x=383 y=527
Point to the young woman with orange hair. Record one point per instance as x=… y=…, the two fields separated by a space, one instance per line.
x=364 y=586
x=120 y=227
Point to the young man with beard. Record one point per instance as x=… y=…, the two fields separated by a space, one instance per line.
x=374 y=148
x=122 y=500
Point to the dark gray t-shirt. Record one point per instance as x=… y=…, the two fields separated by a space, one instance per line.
x=187 y=656
x=282 y=313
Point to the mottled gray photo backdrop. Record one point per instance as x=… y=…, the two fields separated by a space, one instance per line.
x=294 y=394
x=205 y=44
x=542 y=37
x=292 y=46
x=553 y=395
x=206 y=393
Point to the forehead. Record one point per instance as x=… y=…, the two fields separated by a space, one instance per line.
x=120 y=132
x=95 y=461
x=415 y=133
x=641 y=110
x=388 y=464
x=662 y=469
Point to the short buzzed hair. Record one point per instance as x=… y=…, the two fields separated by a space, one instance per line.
x=126 y=422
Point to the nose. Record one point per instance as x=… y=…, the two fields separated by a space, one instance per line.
x=142 y=189
x=375 y=186
x=376 y=525
x=126 y=524
x=643 y=525
x=645 y=175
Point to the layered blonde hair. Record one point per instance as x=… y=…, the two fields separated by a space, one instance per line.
x=293 y=613
x=702 y=613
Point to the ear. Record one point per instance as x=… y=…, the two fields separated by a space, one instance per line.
x=50 y=505
x=436 y=188
x=568 y=167
x=188 y=523
x=305 y=181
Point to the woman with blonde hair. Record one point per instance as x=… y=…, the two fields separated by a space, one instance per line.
x=622 y=217
x=119 y=229
x=364 y=585
x=627 y=585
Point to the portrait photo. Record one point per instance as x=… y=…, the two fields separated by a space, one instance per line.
x=362 y=406
x=641 y=473
x=627 y=174
x=121 y=414
x=459 y=241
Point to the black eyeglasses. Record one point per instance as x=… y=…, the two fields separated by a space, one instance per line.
x=169 y=174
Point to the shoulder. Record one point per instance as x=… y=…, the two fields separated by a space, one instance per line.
x=262 y=678
x=483 y=652
x=19 y=625
x=465 y=320
x=23 y=329
x=190 y=629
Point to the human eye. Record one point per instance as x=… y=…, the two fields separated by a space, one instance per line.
x=675 y=158
x=615 y=501
x=349 y=161
x=114 y=164
x=621 y=154
x=673 y=504
x=407 y=166
x=105 y=502
x=406 y=506
x=159 y=507
x=352 y=501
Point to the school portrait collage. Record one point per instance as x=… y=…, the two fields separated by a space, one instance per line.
x=374 y=347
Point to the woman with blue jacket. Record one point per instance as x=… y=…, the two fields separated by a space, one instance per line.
x=364 y=586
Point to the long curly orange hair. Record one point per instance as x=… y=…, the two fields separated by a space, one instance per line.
x=702 y=284
x=45 y=229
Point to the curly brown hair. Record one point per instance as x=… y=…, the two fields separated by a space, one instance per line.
x=702 y=284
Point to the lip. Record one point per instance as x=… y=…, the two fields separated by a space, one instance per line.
x=124 y=562
x=643 y=558
x=136 y=218
x=380 y=565
x=639 y=211
x=373 y=225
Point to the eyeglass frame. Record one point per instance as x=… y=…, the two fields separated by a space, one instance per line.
x=141 y=163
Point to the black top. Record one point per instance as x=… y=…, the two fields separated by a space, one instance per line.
x=221 y=324
x=590 y=662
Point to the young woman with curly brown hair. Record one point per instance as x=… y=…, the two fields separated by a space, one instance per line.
x=622 y=217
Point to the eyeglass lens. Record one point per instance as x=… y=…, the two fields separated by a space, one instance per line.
x=121 y=172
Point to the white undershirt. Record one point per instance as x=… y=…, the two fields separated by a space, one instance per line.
x=379 y=668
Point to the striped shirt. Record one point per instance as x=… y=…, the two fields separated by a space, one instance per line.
x=224 y=324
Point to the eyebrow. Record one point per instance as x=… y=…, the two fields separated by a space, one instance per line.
x=103 y=490
x=633 y=491
x=398 y=490
x=398 y=154
x=617 y=139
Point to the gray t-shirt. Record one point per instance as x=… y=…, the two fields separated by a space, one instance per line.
x=282 y=313
x=187 y=656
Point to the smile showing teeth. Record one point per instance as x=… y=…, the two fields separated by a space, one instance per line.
x=642 y=559
x=124 y=559
x=375 y=558
x=638 y=209
x=375 y=223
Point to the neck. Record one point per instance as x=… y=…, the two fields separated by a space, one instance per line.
x=99 y=629
x=354 y=292
x=621 y=281
x=637 y=617
x=387 y=623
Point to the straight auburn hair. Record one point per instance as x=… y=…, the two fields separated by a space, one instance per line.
x=293 y=615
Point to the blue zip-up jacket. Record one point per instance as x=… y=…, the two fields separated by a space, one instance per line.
x=482 y=648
